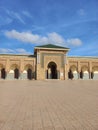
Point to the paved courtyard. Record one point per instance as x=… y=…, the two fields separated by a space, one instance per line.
x=49 y=105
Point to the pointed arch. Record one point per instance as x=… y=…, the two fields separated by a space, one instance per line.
x=85 y=72
x=14 y=66
x=16 y=73
x=70 y=74
x=95 y=72
x=73 y=73
x=3 y=73
x=52 y=70
x=28 y=72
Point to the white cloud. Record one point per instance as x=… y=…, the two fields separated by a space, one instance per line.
x=3 y=50
x=34 y=38
x=23 y=36
x=56 y=38
x=74 y=42
x=22 y=51
x=53 y=38
x=13 y=51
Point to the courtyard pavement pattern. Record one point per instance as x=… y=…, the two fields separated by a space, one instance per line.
x=49 y=105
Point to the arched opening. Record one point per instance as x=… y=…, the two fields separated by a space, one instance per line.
x=73 y=73
x=92 y=75
x=3 y=73
x=29 y=73
x=81 y=74
x=95 y=72
x=52 y=70
x=16 y=73
x=70 y=74
x=84 y=74
x=95 y=75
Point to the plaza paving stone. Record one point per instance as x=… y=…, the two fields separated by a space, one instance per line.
x=49 y=105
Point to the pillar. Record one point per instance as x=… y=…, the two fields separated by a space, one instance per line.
x=49 y=73
x=78 y=74
x=0 y=74
x=90 y=74
x=79 y=69
x=90 y=69
x=58 y=74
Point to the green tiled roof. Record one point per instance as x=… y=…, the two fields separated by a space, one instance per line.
x=51 y=46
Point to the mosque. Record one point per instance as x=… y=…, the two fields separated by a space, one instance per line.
x=48 y=62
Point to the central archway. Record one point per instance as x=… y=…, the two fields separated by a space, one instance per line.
x=52 y=70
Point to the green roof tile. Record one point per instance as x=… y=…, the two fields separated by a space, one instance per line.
x=51 y=46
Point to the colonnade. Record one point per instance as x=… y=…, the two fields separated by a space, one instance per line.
x=16 y=73
x=83 y=74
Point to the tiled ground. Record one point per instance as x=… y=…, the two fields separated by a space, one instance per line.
x=49 y=105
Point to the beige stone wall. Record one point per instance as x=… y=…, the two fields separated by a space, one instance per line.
x=10 y=62
x=7 y=61
x=22 y=62
x=47 y=56
x=82 y=63
x=79 y=62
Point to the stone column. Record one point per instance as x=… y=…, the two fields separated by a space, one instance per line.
x=66 y=71
x=6 y=74
x=34 y=70
x=58 y=74
x=20 y=74
x=7 y=69
x=79 y=69
x=7 y=65
x=90 y=69
x=38 y=58
x=46 y=74
x=78 y=74
x=49 y=73
x=89 y=75
x=0 y=74
x=65 y=59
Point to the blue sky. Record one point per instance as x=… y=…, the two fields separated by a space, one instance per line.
x=70 y=23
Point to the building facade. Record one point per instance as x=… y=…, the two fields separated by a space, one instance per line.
x=48 y=62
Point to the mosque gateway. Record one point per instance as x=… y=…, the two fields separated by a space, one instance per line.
x=48 y=62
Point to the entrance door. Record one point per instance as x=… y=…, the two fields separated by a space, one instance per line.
x=53 y=70
x=29 y=74
x=3 y=74
x=16 y=73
